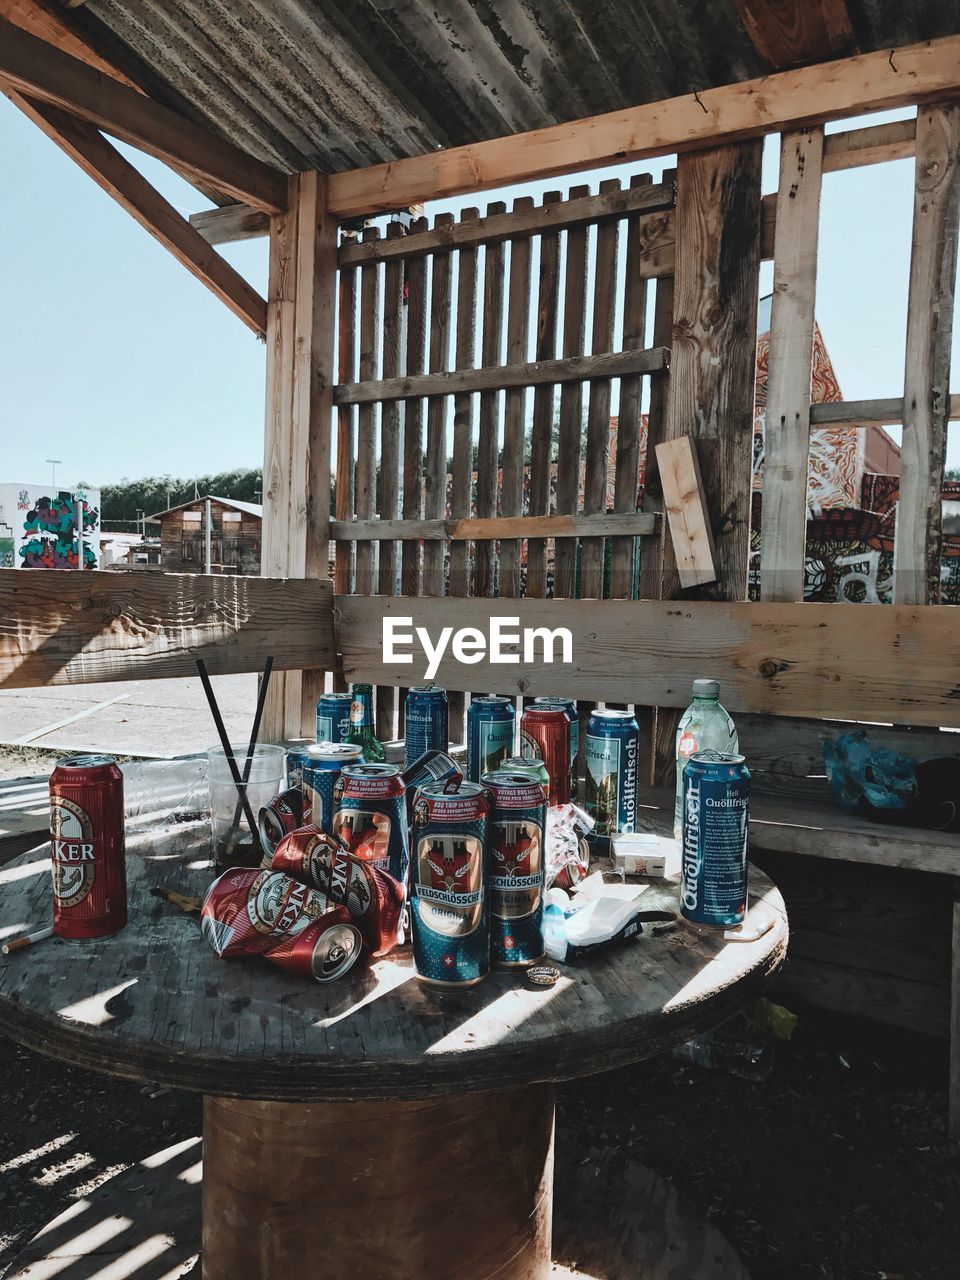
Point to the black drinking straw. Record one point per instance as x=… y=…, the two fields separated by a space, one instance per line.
x=255 y=732
x=225 y=743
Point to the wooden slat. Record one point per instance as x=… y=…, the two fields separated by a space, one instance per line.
x=685 y=505
x=118 y=177
x=872 y=144
x=544 y=400
x=39 y=71
x=784 y=101
x=953 y=1100
x=231 y=223
x=435 y=471
x=488 y=444
x=525 y=219
x=66 y=628
x=789 y=32
x=415 y=362
x=787 y=431
x=651 y=555
x=388 y=494
x=366 y=478
x=926 y=379
x=605 y=260
x=514 y=407
x=778 y=659
x=53 y=28
x=343 y=488
x=635 y=524
x=571 y=400
x=463 y=411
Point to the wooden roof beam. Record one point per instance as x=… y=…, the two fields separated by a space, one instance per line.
x=39 y=71
x=786 y=33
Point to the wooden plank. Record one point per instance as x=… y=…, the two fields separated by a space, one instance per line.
x=488 y=444
x=871 y=144
x=84 y=629
x=463 y=412
x=526 y=219
x=926 y=379
x=39 y=71
x=366 y=466
x=781 y=659
x=953 y=1101
x=781 y=102
x=118 y=177
x=52 y=27
x=278 y=426
x=632 y=524
x=346 y=452
x=788 y=32
x=388 y=492
x=571 y=400
x=435 y=469
x=650 y=582
x=787 y=431
x=514 y=405
x=544 y=399
x=231 y=223
x=605 y=266
x=415 y=362
x=685 y=503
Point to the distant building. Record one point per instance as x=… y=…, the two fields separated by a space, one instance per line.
x=39 y=527
x=128 y=550
x=235 y=536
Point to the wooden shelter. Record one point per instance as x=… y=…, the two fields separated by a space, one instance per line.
x=304 y=121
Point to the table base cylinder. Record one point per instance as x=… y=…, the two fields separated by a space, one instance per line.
x=453 y=1189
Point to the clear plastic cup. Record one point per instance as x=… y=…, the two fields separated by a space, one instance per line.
x=234 y=844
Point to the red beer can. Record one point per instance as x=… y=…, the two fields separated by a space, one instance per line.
x=87 y=846
x=545 y=735
x=251 y=912
x=277 y=818
x=371 y=895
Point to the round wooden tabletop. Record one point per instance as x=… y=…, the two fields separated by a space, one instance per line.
x=153 y=1003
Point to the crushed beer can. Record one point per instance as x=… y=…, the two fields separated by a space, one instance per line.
x=278 y=817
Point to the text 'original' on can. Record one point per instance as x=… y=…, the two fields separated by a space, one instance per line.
x=449 y=908
x=87 y=847
x=516 y=865
x=277 y=817
x=323 y=762
x=371 y=895
x=426 y=722
x=611 y=758
x=491 y=730
x=545 y=735
x=333 y=717
x=713 y=853
x=370 y=816
x=570 y=707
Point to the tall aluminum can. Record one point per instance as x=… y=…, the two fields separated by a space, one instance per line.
x=323 y=762
x=545 y=735
x=532 y=768
x=716 y=818
x=516 y=864
x=570 y=707
x=449 y=908
x=491 y=730
x=333 y=717
x=87 y=846
x=426 y=722
x=611 y=757
x=370 y=816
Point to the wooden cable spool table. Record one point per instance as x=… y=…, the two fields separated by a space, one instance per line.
x=374 y=1125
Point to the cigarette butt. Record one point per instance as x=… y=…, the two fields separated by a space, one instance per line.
x=176 y=899
x=27 y=940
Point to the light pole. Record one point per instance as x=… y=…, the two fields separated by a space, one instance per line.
x=54 y=462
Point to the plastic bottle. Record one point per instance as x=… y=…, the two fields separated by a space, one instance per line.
x=361 y=729
x=704 y=726
x=736 y=1055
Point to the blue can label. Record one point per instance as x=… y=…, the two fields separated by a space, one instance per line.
x=333 y=717
x=517 y=869
x=611 y=781
x=490 y=742
x=425 y=724
x=370 y=817
x=713 y=868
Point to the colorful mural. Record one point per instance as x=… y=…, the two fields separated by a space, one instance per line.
x=43 y=524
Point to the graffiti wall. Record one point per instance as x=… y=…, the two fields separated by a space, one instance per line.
x=38 y=527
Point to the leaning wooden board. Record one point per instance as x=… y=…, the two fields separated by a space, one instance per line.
x=154 y=1003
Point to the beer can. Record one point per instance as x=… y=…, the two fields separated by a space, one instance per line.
x=491 y=730
x=278 y=816
x=611 y=757
x=370 y=816
x=250 y=912
x=87 y=847
x=432 y=766
x=545 y=735
x=448 y=900
x=323 y=762
x=516 y=864
x=372 y=896
x=333 y=717
x=425 y=718
x=570 y=707
x=713 y=856
x=533 y=768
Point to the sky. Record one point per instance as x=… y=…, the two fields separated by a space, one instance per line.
x=116 y=361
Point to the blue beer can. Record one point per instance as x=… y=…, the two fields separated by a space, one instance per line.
x=425 y=718
x=516 y=867
x=491 y=732
x=713 y=854
x=322 y=764
x=370 y=816
x=611 y=757
x=333 y=717
x=449 y=907
x=570 y=707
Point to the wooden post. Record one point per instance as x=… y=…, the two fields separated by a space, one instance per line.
x=953 y=1098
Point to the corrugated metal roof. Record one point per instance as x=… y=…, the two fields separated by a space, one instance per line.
x=251 y=508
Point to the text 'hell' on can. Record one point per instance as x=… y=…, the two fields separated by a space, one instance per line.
x=611 y=757
x=87 y=846
x=333 y=717
x=448 y=900
x=426 y=722
x=570 y=707
x=323 y=762
x=491 y=729
x=516 y=865
x=713 y=855
x=370 y=816
x=545 y=735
